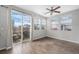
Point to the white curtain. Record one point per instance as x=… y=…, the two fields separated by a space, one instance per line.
x=4 y=28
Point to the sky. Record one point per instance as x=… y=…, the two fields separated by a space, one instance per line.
x=17 y=19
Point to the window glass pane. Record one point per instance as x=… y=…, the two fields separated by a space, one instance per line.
x=17 y=22
x=66 y=23
x=55 y=23
x=43 y=24
x=26 y=26
x=36 y=24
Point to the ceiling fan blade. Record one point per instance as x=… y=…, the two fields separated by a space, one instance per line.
x=57 y=8
x=47 y=8
x=46 y=12
x=57 y=11
x=51 y=13
x=51 y=8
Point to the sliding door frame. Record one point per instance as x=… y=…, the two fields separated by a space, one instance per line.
x=31 y=28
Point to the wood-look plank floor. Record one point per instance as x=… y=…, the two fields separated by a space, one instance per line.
x=44 y=46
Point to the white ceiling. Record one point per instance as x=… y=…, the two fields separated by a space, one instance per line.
x=41 y=9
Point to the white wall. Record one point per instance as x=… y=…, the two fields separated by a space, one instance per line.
x=72 y=36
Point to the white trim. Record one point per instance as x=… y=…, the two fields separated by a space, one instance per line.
x=31 y=28
x=8 y=48
x=30 y=38
x=65 y=40
x=2 y=48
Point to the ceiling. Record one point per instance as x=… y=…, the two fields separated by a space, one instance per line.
x=41 y=9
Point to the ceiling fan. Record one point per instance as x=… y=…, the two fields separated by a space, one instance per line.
x=52 y=10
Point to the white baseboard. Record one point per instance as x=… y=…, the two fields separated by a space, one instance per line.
x=36 y=38
x=5 y=48
x=2 y=48
x=65 y=40
x=8 y=48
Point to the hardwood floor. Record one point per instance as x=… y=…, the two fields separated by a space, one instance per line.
x=44 y=46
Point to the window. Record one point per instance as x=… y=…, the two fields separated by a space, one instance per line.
x=66 y=23
x=62 y=23
x=36 y=24
x=21 y=26
x=55 y=24
x=43 y=24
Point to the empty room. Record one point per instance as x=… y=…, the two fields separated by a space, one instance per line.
x=39 y=29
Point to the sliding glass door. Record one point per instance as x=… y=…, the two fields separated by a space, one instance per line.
x=17 y=22
x=26 y=27
x=21 y=26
